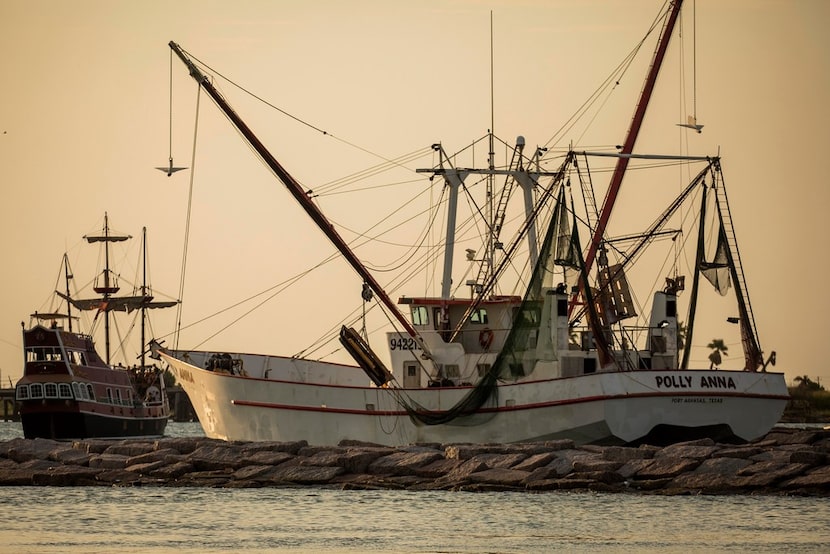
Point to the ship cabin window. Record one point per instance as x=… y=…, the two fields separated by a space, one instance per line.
x=118 y=396
x=51 y=390
x=76 y=388
x=109 y=395
x=90 y=394
x=22 y=392
x=482 y=369
x=36 y=390
x=41 y=354
x=451 y=371
x=420 y=315
x=64 y=390
x=479 y=316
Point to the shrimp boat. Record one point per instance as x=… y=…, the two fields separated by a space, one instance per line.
x=68 y=391
x=575 y=356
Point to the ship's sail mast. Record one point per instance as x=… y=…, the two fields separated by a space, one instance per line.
x=106 y=284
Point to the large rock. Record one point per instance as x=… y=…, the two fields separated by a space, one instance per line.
x=22 y=450
x=403 y=463
x=727 y=467
x=173 y=471
x=167 y=455
x=267 y=457
x=663 y=467
x=70 y=455
x=535 y=461
x=130 y=448
x=207 y=458
x=626 y=453
x=66 y=476
x=500 y=476
x=305 y=475
x=108 y=461
x=358 y=460
x=698 y=450
x=816 y=480
x=183 y=445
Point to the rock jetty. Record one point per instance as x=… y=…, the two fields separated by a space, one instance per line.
x=793 y=462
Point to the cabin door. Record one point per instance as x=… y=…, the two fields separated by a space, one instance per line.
x=411 y=375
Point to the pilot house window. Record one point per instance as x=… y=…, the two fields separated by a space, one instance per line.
x=479 y=316
x=420 y=315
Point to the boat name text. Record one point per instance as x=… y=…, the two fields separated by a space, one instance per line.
x=403 y=343
x=685 y=382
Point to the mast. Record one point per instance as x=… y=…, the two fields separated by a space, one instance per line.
x=67 y=276
x=296 y=191
x=143 y=290
x=631 y=138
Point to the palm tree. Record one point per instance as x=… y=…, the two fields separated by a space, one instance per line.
x=718 y=347
x=681 y=335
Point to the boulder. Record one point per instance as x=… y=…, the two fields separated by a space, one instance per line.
x=108 y=461
x=130 y=448
x=814 y=481
x=403 y=463
x=663 y=467
x=500 y=476
x=22 y=450
x=305 y=475
x=535 y=461
x=66 y=476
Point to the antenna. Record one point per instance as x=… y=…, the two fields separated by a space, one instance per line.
x=491 y=247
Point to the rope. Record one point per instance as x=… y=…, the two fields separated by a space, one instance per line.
x=187 y=222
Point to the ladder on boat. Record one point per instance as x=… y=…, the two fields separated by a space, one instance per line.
x=732 y=244
x=587 y=186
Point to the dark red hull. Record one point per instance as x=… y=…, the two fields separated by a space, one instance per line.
x=80 y=425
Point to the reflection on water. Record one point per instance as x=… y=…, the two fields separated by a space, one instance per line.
x=189 y=520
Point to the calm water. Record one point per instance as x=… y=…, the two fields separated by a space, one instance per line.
x=97 y=519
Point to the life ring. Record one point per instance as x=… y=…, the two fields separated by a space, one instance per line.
x=485 y=338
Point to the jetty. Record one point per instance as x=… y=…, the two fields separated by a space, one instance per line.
x=786 y=461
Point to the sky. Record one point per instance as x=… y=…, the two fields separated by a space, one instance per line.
x=85 y=118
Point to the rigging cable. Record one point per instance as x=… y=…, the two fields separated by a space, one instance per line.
x=619 y=71
x=187 y=222
x=288 y=114
x=170 y=105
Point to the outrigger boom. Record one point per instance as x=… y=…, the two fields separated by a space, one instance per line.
x=298 y=193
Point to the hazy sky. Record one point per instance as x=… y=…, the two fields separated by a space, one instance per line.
x=84 y=119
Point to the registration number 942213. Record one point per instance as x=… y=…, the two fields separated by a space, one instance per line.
x=403 y=343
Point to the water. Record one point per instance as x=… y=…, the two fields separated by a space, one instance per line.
x=191 y=520
x=10 y=430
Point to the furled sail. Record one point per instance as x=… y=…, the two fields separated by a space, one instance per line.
x=117 y=303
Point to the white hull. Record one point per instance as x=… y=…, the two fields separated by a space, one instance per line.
x=607 y=407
